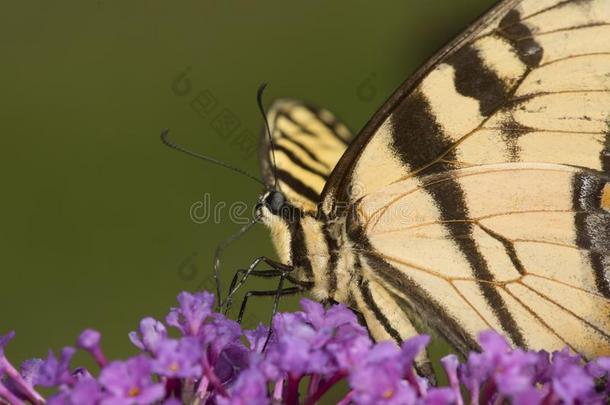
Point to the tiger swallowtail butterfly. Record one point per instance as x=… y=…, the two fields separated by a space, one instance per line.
x=477 y=197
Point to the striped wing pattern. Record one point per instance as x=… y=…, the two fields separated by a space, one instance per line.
x=307 y=143
x=483 y=196
x=528 y=273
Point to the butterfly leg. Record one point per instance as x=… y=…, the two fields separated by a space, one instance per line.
x=277 y=293
x=243 y=273
x=276 y=266
x=255 y=273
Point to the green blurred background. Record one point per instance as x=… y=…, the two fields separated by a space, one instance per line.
x=95 y=227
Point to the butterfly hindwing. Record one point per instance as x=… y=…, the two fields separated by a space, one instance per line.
x=307 y=143
x=529 y=274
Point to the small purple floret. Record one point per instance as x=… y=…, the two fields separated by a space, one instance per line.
x=150 y=334
x=193 y=311
x=250 y=389
x=379 y=379
x=56 y=372
x=84 y=392
x=179 y=358
x=257 y=337
x=130 y=382
x=89 y=340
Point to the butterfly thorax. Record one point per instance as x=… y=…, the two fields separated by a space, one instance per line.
x=315 y=247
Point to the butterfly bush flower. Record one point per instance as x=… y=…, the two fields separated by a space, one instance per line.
x=250 y=389
x=89 y=340
x=56 y=371
x=569 y=381
x=130 y=382
x=450 y=365
x=193 y=311
x=178 y=358
x=379 y=378
x=317 y=340
x=257 y=338
x=16 y=386
x=85 y=392
x=303 y=356
x=150 y=334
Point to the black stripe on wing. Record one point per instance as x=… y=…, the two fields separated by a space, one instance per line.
x=299 y=162
x=301 y=146
x=333 y=258
x=419 y=304
x=370 y=303
x=297 y=185
x=521 y=38
x=604 y=155
x=414 y=118
x=509 y=248
x=286 y=114
x=474 y=79
x=593 y=226
x=331 y=124
x=451 y=202
x=418 y=139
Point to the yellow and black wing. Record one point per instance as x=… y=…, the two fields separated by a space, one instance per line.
x=529 y=81
x=528 y=258
x=307 y=143
x=502 y=145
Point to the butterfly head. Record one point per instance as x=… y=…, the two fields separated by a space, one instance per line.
x=275 y=211
x=273 y=206
x=273 y=201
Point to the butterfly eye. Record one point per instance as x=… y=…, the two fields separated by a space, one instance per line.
x=274 y=201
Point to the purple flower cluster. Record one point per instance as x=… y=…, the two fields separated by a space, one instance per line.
x=214 y=361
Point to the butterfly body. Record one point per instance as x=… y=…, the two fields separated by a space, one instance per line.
x=478 y=197
x=314 y=248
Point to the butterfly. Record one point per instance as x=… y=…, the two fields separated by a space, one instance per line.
x=476 y=198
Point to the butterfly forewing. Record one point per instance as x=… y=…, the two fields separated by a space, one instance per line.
x=516 y=91
x=513 y=251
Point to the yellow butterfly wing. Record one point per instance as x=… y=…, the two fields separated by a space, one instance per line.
x=530 y=81
x=535 y=278
x=502 y=144
x=307 y=143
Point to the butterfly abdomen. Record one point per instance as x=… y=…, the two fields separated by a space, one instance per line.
x=318 y=251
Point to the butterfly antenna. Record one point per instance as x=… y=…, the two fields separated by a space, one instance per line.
x=259 y=101
x=166 y=141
